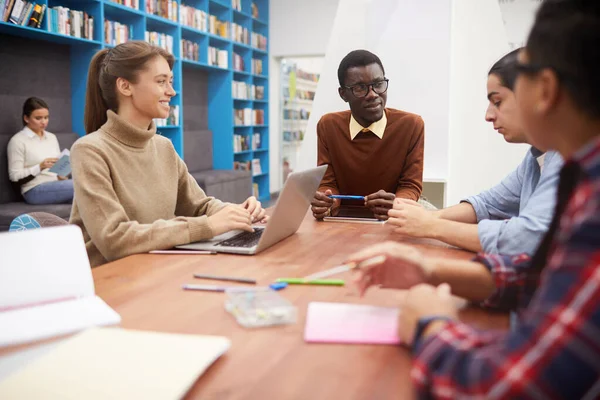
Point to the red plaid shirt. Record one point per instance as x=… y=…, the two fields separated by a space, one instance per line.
x=554 y=350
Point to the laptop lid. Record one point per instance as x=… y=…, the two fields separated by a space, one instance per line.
x=292 y=205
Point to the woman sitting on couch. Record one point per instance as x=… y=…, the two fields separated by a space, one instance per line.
x=31 y=153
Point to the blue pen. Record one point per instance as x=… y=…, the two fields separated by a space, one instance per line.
x=346 y=197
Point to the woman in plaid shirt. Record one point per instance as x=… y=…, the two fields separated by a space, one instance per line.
x=554 y=350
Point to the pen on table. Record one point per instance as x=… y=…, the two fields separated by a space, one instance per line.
x=225 y=278
x=347 y=267
x=346 y=197
x=302 y=281
x=194 y=252
x=206 y=288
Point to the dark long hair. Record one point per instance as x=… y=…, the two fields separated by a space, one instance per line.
x=123 y=61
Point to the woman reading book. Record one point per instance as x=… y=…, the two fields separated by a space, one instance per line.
x=31 y=154
x=133 y=193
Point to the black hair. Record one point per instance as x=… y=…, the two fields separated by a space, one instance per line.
x=506 y=69
x=566 y=38
x=357 y=58
x=32 y=104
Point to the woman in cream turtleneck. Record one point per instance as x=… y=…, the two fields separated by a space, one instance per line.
x=133 y=193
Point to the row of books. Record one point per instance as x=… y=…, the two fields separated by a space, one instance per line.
x=300 y=94
x=239 y=33
x=259 y=41
x=160 y=39
x=116 y=33
x=293 y=136
x=70 y=22
x=218 y=27
x=309 y=76
x=22 y=12
x=218 y=57
x=171 y=120
x=248 y=117
x=253 y=166
x=296 y=114
x=257 y=66
x=243 y=90
x=163 y=8
x=194 y=18
x=244 y=142
x=190 y=50
x=128 y=3
x=236 y=5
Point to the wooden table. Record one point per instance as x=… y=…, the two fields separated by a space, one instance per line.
x=275 y=362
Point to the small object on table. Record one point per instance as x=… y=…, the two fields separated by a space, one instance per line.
x=258 y=307
x=346 y=267
x=302 y=281
x=346 y=197
x=225 y=278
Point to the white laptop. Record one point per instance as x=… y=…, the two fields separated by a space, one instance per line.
x=46 y=286
x=290 y=209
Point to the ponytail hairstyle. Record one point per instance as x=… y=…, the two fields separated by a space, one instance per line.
x=123 y=61
x=32 y=104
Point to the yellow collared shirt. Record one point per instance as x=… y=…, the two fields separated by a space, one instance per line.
x=378 y=127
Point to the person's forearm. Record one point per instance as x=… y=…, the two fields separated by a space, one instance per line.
x=456 y=234
x=463 y=212
x=468 y=279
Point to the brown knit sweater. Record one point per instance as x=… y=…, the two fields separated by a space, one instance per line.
x=367 y=164
x=133 y=193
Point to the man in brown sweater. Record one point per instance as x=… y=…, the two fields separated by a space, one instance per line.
x=372 y=151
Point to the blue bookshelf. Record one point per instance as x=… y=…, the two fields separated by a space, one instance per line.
x=221 y=101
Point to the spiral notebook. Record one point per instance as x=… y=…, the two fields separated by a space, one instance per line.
x=351 y=323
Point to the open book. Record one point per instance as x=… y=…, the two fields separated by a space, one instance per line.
x=46 y=286
x=63 y=166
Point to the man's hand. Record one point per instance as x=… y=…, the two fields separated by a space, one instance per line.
x=380 y=203
x=412 y=219
x=321 y=204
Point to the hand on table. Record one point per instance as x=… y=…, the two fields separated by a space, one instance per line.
x=410 y=218
x=403 y=267
x=380 y=203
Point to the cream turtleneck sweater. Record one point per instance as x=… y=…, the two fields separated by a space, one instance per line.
x=133 y=193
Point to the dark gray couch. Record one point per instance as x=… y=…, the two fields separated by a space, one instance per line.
x=11 y=201
x=226 y=185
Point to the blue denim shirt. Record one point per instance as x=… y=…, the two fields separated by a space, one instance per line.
x=514 y=215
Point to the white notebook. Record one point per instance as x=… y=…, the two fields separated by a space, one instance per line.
x=46 y=286
x=115 y=363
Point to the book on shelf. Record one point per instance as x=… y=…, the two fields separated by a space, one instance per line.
x=242 y=165
x=257 y=66
x=259 y=41
x=239 y=33
x=256 y=168
x=22 y=12
x=160 y=39
x=240 y=143
x=236 y=5
x=163 y=8
x=171 y=120
x=247 y=91
x=254 y=10
x=189 y=50
x=217 y=57
x=194 y=18
x=116 y=33
x=128 y=3
x=248 y=116
x=218 y=27
x=255 y=141
x=238 y=62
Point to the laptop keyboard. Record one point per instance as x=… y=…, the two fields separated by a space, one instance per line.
x=244 y=239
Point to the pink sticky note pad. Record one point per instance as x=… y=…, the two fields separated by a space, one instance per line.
x=351 y=323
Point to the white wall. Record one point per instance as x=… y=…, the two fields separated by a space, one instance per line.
x=300 y=27
x=478 y=156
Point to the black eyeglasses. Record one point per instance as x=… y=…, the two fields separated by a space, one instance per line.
x=362 y=90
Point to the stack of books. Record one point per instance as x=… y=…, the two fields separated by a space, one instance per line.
x=128 y=3
x=259 y=41
x=190 y=50
x=257 y=66
x=116 y=33
x=239 y=33
x=218 y=27
x=194 y=18
x=70 y=22
x=163 y=8
x=22 y=12
x=238 y=62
